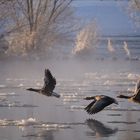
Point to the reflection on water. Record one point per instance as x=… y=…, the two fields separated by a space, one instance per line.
x=99 y=129
x=43 y=135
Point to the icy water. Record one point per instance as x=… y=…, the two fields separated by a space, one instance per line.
x=28 y=116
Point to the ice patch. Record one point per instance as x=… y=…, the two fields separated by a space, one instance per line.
x=70 y=100
x=55 y=126
x=6 y=103
x=108 y=82
x=2 y=86
x=6 y=122
x=133 y=76
x=21 y=85
x=74 y=107
x=30 y=121
x=8 y=94
x=34 y=123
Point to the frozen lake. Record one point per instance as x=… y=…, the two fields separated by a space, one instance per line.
x=29 y=116
x=26 y=115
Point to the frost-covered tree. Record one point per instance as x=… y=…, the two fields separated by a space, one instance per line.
x=33 y=26
x=134 y=11
x=86 y=39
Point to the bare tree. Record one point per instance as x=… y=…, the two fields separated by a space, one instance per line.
x=134 y=11
x=34 y=25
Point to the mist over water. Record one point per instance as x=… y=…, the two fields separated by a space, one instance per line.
x=110 y=67
x=27 y=115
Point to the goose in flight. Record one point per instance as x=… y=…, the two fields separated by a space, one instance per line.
x=49 y=85
x=99 y=103
x=135 y=97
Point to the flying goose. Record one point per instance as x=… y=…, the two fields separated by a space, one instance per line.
x=135 y=97
x=99 y=103
x=49 y=85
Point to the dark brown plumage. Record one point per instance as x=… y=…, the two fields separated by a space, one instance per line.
x=135 y=97
x=49 y=85
x=99 y=103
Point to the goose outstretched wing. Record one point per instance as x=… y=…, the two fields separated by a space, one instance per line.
x=137 y=95
x=49 y=81
x=88 y=108
x=99 y=104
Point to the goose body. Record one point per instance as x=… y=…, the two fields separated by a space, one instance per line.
x=49 y=85
x=135 y=97
x=99 y=103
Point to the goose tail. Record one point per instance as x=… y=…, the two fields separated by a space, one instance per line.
x=55 y=95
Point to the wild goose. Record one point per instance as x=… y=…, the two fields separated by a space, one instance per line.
x=49 y=85
x=99 y=103
x=135 y=97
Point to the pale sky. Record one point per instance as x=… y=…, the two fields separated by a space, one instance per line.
x=111 y=16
